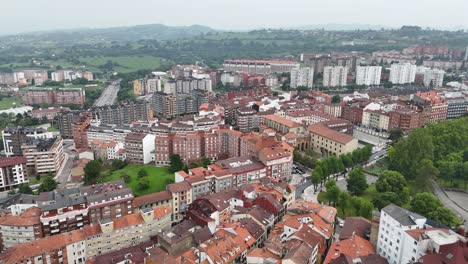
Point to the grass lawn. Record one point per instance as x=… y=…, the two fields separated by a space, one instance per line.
x=127 y=63
x=158 y=178
x=7 y=102
x=52 y=129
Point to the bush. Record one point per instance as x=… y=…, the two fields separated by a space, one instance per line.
x=142 y=173
x=125 y=177
x=143 y=183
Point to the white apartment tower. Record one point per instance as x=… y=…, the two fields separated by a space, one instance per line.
x=302 y=77
x=401 y=73
x=334 y=76
x=434 y=78
x=368 y=75
x=394 y=222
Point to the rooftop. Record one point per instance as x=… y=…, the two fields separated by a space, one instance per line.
x=326 y=132
x=403 y=216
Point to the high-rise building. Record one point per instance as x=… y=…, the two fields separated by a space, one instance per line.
x=15 y=137
x=334 y=76
x=44 y=156
x=402 y=73
x=368 y=75
x=140 y=147
x=434 y=78
x=12 y=172
x=302 y=77
x=124 y=113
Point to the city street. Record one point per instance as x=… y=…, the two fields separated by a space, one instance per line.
x=109 y=95
x=63 y=176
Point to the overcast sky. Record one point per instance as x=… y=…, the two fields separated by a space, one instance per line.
x=33 y=15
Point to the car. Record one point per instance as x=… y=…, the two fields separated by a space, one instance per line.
x=341 y=223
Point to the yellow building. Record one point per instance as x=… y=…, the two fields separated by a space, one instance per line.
x=330 y=142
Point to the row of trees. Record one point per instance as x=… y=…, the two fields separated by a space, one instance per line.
x=333 y=165
x=343 y=200
x=439 y=150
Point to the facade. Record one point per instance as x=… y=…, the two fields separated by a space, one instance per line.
x=394 y=222
x=434 y=78
x=44 y=156
x=13 y=172
x=106 y=134
x=457 y=103
x=402 y=73
x=335 y=76
x=302 y=77
x=330 y=142
x=49 y=96
x=22 y=228
x=181 y=198
x=376 y=119
x=435 y=108
x=48 y=113
x=15 y=137
x=333 y=109
x=278 y=161
x=65 y=120
x=140 y=148
x=247 y=119
x=169 y=105
x=259 y=66
x=123 y=114
x=79 y=128
x=368 y=75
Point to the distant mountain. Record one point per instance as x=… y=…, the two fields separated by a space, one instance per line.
x=130 y=33
x=339 y=27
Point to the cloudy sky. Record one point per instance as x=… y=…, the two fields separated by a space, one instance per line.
x=33 y=15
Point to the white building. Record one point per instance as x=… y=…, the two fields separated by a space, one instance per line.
x=334 y=76
x=394 y=222
x=302 y=77
x=376 y=119
x=114 y=150
x=401 y=73
x=434 y=78
x=368 y=75
x=13 y=172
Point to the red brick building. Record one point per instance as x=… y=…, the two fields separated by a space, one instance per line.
x=49 y=96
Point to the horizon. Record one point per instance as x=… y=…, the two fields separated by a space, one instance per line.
x=56 y=15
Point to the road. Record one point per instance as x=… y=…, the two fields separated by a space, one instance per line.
x=451 y=202
x=109 y=95
x=64 y=174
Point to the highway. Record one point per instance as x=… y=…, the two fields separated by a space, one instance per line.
x=109 y=95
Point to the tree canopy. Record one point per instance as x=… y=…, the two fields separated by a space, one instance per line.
x=357 y=182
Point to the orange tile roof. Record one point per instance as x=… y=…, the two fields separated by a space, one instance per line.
x=274 y=153
x=161 y=211
x=21 y=252
x=264 y=254
x=326 y=132
x=353 y=247
x=151 y=198
x=91 y=230
x=29 y=217
x=128 y=220
x=283 y=121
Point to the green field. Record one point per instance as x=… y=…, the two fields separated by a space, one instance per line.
x=7 y=102
x=126 y=64
x=159 y=177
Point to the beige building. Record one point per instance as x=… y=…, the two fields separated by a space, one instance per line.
x=376 y=119
x=330 y=142
x=181 y=198
x=333 y=109
x=283 y=125
x=44 y=157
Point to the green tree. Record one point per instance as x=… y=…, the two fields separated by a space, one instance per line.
x=390 y=181
x=366 y=209
x=143 y=183
x=125 y=177
x=346 y=160
x=395 y=134
x=24 y=189
x=176 y=163
x=343 y=201
x=118 y=164
x=357 y=182
x=336 y=99
x=332 y=194
x=142 y=173
x=92 y=171
x=316 y=178
x=429 y=206
x=380 y=200
x=425 y=173
x=48 y=184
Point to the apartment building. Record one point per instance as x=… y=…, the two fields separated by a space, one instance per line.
x=123 y=114
x=368 y=75
x=78 y=246
x=434 y=78
x=278 y=160
x=394 y=222
x=247 y=119
x=435 y=108
x=307 y=117
x=50 y=96
x=170 y=105
x=22 y=228
x=68 y=75
x=457 y=103
x=402 y=73
x=65 y=120
x=15 y=137
x=282 y=125
x=181 y=198
x=79 y=128
x=48 y=113
x=107 y=133
x=405 y=119
x=376 y=119
x=335 y=76
x=334 y=109
x=13 y=172
x=302 y=77
x=140 y=148
x=259 y=66
x=44 y=156
x=330 y=142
